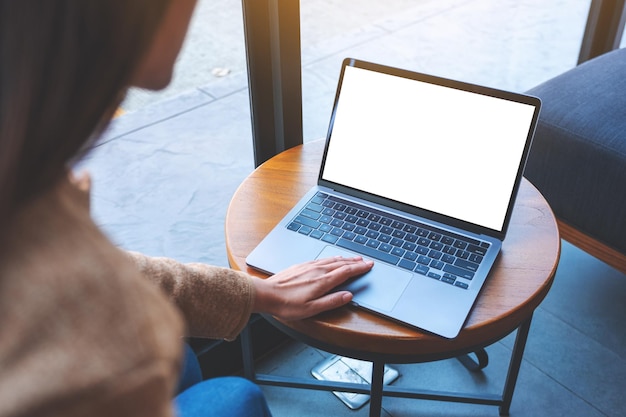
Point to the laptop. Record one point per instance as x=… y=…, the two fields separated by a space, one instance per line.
x=420 y=174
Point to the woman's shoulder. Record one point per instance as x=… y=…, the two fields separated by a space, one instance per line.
x=79 y=313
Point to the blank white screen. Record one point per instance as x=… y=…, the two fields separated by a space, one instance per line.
x=449 y=151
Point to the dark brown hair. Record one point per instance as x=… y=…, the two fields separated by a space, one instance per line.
x=64 y=67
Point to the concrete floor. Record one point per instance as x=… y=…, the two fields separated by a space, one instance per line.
x=165 y=171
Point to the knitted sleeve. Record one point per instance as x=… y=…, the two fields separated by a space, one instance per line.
x=216 y=302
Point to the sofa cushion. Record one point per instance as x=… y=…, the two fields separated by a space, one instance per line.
x=578 y=156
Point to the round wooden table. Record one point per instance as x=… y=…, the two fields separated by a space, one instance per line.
x=518 y=283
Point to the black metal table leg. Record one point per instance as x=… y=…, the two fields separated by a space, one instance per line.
x=481 y=362
x=247 y=355
x=376 y=396
x=514 y=366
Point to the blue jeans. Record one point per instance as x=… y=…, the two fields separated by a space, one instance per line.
x=223 y=397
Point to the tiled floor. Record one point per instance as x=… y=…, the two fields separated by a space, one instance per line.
x=166 y=170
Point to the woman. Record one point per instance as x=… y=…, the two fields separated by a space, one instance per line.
x=84 y=329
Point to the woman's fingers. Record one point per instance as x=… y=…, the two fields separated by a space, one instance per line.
x=342 y=269
x=330 y=301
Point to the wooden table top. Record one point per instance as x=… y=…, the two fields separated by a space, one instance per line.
x=520 y=280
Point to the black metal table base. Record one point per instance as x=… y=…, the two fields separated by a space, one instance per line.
x=377 y=390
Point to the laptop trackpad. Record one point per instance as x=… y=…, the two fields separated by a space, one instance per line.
x=379 y=289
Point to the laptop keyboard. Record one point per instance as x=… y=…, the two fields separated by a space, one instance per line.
x=426 y=250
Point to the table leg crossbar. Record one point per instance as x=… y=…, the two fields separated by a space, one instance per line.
x=378 y=390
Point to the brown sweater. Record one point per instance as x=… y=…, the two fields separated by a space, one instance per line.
x=83 y=332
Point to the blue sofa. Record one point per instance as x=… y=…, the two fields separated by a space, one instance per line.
x=578 y=156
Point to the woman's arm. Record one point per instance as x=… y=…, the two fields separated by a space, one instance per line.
x=216 y=302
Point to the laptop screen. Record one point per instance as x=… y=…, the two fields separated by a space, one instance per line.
x=439 y=148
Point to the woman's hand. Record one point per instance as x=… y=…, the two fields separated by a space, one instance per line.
x=303 y=290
